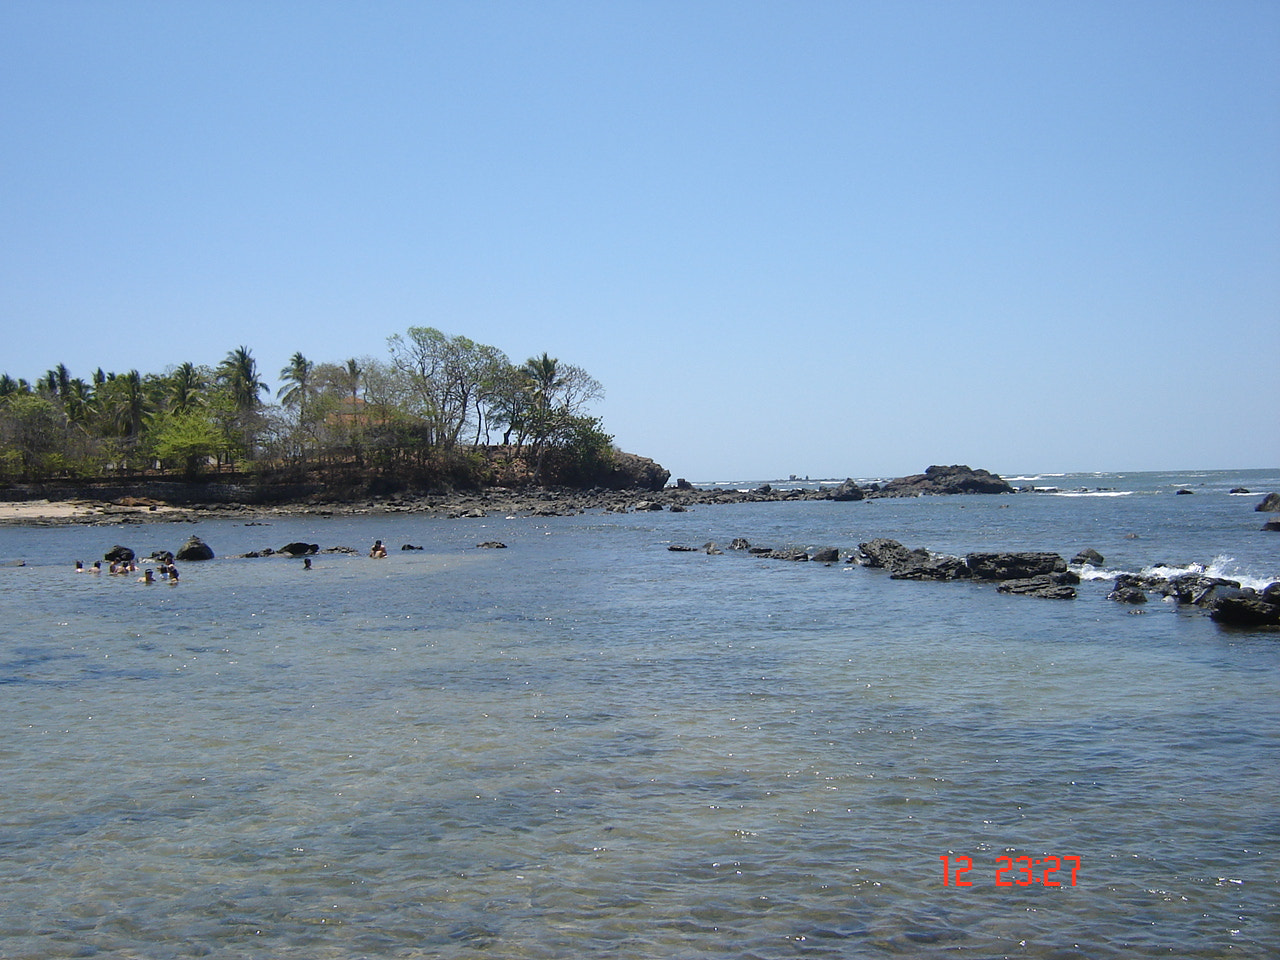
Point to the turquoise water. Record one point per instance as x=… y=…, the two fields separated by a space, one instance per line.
x=588 y=745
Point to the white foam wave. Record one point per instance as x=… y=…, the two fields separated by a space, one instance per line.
x=1221 y=567
x=1087 y=493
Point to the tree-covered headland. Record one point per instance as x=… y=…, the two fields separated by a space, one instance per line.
x=436 y=412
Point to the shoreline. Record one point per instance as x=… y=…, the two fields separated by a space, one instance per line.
x=533 y=503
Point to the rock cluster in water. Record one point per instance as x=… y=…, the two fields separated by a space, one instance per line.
x=1022 y=573
x=1226 y=600
x=1036 y=574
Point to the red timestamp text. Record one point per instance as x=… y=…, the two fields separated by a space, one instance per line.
x=1050 y=871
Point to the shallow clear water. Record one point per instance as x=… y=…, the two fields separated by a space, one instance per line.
x=586 y=744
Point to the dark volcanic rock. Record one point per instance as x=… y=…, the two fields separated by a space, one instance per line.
x=1245 y=612
x=883 y=553
x=631 y=472
x=945 y=480
x=848 y=490
x=299 y=549
x=825 y=555
x=1199 y=590
x=788 y=553
x=1129 y=588
x=1013 y=566
x=118 y=554
x=194 y=549
x=1272 y=525
x=918 y=564
x=1089 y=556
x=1270 y=504
x=492 y=545
x=923 y=565
x=1049 y=586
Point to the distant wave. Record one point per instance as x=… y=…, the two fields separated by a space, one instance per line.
x=1084 y=493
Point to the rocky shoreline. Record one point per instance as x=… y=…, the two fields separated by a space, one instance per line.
x=177 y=503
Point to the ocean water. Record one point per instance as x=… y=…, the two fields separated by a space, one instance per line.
x=588 y=745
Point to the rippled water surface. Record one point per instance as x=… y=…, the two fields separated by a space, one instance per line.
x=586 y=744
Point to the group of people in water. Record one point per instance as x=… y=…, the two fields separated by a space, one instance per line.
x=167 y=571
x=123 y=568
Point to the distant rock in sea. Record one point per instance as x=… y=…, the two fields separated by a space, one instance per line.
x=956 y=478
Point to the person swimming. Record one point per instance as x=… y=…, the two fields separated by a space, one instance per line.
x=306 y=563
x=147 y=576
x=173 y=573
x=379 y=550
x=79 y=566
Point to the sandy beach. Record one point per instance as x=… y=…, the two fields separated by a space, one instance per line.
x=79 y=511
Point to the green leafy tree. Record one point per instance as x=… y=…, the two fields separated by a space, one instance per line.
x=444 y=377
x=558 y=394
x=33 y=437
x=188 y=438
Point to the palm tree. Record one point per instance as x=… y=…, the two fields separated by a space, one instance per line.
x=297 y=384
x=543 y=374
x=78 y=401
x=185 y=384
x=354 y=376
x=56 y=382
x=239 y=372
x=131 y=405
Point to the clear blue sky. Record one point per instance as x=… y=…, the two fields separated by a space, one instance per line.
x=833 y=239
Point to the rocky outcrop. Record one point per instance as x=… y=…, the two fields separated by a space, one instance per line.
x=921 y=564
x=1251 y=609
x=1128 y=588
x=1013 y=566
x=1049 y=586
x=924 y=565
x=1089 y=556
x=905 y=564
x=956 y=478
x=1270 y=504
x=119 y=554
x=194 y=549
x=300 y=549
x=631 y=472
x=883 y=553
x=848 y=490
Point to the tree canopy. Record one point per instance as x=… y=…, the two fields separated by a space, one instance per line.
x=438 y=408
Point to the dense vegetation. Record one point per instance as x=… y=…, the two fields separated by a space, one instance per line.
x=439 y=411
